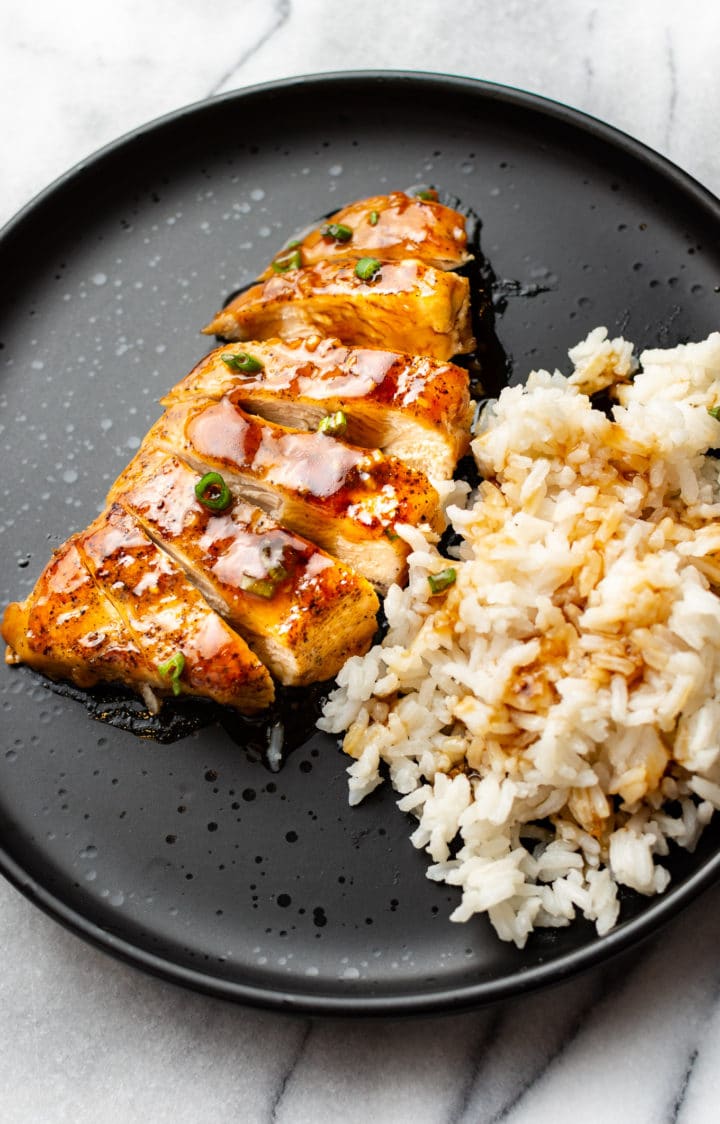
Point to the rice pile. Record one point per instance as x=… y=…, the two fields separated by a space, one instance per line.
x=553 y=718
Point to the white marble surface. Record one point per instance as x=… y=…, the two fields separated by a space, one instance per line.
x=83 y=1038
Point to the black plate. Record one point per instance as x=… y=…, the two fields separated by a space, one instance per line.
x=192 y=860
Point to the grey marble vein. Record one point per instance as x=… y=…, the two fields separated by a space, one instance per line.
x=488 y=1032
x=682 y=1092
x=699 y=1104
x=280 y=16
x=275 y=1108
x=587 y=58
x=697 y=1049
x=536 y=1044
x=652 y=1010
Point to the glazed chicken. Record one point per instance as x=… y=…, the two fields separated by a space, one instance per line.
x=400 y=305
x=410 y=406
x=243 y=540
x=69 y=628
x=300 y=610
x=390 y=227
x=111 y=605
x=347 y=499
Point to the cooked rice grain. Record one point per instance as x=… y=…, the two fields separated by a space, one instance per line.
x=553 y=719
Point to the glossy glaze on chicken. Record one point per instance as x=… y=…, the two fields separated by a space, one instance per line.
x=403 y=305
x=389 y=227
x=242 y=543
x=411 y=406
x=294 y=604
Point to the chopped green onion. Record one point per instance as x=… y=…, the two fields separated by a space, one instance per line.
x=292 y=245
x=429 y=196
x=285 y=262
x=213 y=492
x=172 y=669
x=260 y=587
x=373 y=218
x=264 y=587
x=440 y=582
x=390 y=534
x=333 y=424
x=367 y=269
x=241 y=361
x=338 y=231
x=715 y=412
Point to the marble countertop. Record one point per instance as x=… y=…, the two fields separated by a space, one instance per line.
x=86 y=1038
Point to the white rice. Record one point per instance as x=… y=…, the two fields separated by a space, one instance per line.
x=553 y=719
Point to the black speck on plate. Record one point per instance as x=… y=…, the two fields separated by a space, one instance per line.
x=192 y=860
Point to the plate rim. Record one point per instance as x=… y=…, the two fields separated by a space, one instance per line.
x=630 y=933
x=492 y=91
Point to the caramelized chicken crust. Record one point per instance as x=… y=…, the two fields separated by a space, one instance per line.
x=317 y=438
x=390 y=227
x=410 y=406
x=303 y=612
x=406 y=306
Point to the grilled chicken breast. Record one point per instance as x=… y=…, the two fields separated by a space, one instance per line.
x=404 y=305
x=308 y=440
x=302 y=612
x=346 y=499
x=69 y=629
x=166 y=614
x=390 y=227
x=111 y=606
x=411 y=407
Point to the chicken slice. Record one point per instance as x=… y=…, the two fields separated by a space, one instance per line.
x=347 y=500
x=404 y=305
x=390 y=227
x=412 y=407
x=302 y=612
x=168 y=619
x=69 y=629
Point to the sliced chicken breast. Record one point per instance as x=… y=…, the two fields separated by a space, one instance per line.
x=69 y=629
x=390 y=227
x=172 y=625
x=347 y=500
x=412 y=407
x=83 y=622
x=302 y=612
x=401 y=305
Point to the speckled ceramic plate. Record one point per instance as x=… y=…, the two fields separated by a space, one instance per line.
x=192 y=860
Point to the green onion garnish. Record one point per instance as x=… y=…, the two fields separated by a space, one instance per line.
x=338 y=231
x=213 y=492
x=440 y=582
x=285 y=262
x=264 y=587
x=172 y=669
x=260 y=587
x=241 y=361
x=429 y=196
x=295 y=242
x=367 y=269
x=333 y=424
x=373 y=218
x=715 y=412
